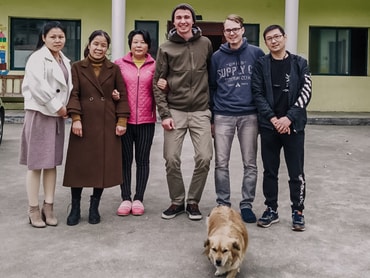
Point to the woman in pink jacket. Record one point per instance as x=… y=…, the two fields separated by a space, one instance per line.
x=137 y=69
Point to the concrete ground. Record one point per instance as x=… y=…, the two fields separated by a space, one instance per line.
x=336 y=242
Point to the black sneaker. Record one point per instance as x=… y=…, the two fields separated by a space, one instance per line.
x=248 y=215
x=298 y=221
x=173 y=211
x=268 y=217
x=193 y=212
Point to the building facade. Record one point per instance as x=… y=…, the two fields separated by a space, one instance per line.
x=332 y=35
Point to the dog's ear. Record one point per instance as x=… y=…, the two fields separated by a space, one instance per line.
x=235 y=251
x=206 y=242
x=206 y=246
x=236 y=245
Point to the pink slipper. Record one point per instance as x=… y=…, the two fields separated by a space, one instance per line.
x=137 y=208
x=124 y=209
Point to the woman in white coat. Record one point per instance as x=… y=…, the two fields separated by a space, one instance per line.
x=46 y=89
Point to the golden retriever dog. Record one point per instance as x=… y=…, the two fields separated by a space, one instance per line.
x=227 y=240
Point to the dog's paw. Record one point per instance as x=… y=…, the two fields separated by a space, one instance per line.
x=232 y=273
x=220 y=272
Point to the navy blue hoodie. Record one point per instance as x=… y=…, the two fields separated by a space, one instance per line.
x=230 y=79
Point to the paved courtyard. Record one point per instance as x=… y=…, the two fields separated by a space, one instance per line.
x=336 y=242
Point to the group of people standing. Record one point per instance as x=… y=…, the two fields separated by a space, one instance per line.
x=210 y=95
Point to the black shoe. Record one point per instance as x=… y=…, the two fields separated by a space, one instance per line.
x=173 y=211
x=193 y=212
x=94 y=216
x=268 y=217
x=75 y=214
x=298 y=221
x=248 y=215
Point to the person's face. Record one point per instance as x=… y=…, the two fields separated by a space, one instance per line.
x=183 y=21
x=98 y=47
x=275 y=40
x=138 y=46
x=233 y=33
x=54 y=40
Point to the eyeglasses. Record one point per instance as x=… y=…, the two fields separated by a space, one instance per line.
x=234 y=30
x=276 y=38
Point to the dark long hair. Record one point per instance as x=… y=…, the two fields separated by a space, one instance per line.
x=145 y=35
x=46 y=29
x=91 y=38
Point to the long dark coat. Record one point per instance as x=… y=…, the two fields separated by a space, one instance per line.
x=95 y=159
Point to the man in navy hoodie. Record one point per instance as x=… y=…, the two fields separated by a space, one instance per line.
x=234 y=110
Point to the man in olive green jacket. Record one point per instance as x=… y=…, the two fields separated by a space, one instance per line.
x=183 y=104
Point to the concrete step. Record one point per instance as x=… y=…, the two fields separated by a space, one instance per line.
x=314 y=118
x=338 y=118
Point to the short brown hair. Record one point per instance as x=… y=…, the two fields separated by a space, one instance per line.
x=236 y=18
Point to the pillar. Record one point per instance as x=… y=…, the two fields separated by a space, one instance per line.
x=291 y=24
x=118 y=28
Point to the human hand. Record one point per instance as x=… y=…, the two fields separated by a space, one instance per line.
x=77 y=128
x=282 y=125
x=62 y=112
x=213 y=130
x=168 y=124
x=120 y=130
x=116 y=95
x=162 y=84
x=284 y=130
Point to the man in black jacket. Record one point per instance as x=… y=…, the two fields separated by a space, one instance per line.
x=281 y=87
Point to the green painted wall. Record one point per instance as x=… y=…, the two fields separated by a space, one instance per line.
x=263 y=12
x=92 y=16
x=335 y=93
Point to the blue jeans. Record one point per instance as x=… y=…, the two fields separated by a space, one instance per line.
x=247 y=132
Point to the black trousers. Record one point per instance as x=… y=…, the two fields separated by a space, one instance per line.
x=293 y=145
x=140 y=138
x=76 y=192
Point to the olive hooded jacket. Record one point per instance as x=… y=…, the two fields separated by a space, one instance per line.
x=183 y=63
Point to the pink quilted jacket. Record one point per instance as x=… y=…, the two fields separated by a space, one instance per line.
x=139 y=85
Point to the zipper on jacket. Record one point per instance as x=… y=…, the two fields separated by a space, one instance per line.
x=137 y=94
x=192 y=71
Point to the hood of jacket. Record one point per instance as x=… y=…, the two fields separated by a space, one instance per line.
x=236 y=52
x=175 y=37
x=225 y=47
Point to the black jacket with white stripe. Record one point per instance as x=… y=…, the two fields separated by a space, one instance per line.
x=300 y=91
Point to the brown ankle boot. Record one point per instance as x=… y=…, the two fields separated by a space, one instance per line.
x=35 y=217
x=47 y=214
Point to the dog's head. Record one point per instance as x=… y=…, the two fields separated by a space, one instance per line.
x=222 y=251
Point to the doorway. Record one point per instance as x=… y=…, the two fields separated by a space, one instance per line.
x=211 y=30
